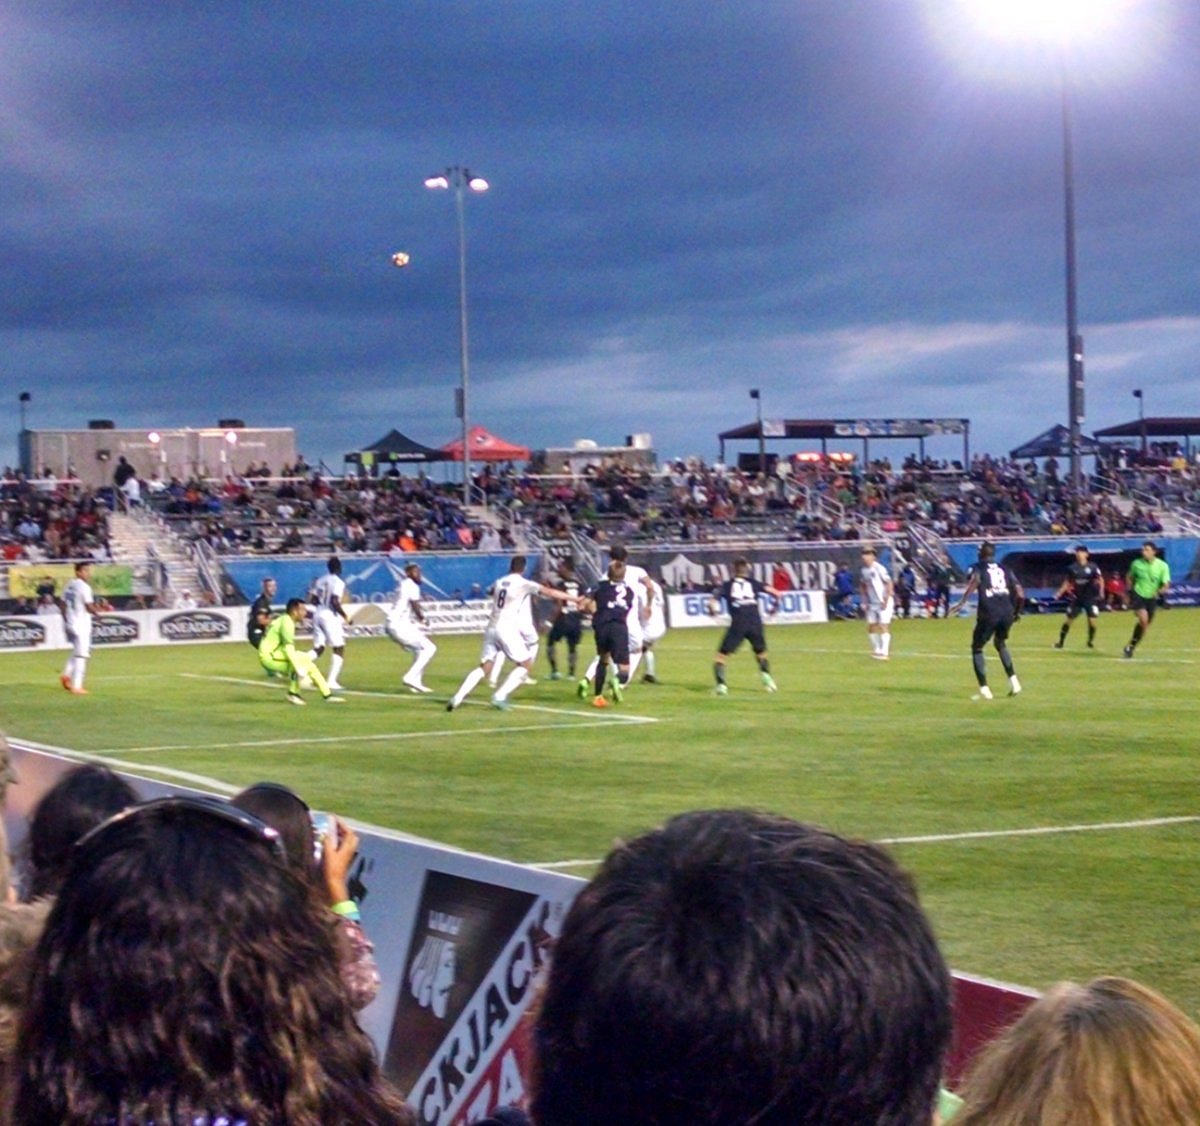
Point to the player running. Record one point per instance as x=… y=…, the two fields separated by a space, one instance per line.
x=878 y=595
x=404 y=622
x=1000 y=602
x=277 y=653
x=1084 y=585
x=609 y=604
x=653 y=630
x=1148 y=581
x=568 y=621
x=329 y=620
x=79 y=606
x=740 y=594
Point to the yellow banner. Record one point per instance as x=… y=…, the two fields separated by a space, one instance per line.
x=108 y=580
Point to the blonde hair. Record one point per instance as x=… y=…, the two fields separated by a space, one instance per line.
x=1111 y=1053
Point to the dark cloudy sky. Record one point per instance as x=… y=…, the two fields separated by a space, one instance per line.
x=855 y=205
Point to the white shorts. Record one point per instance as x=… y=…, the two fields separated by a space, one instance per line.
x=880 y=615
x=633 y=624
x=490 y=648
x=329 y=629
x=81 y=643
x=408 y=635
x=514 y=644
x=654 y=629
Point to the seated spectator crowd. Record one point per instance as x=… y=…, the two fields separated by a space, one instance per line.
x=191 y=961
x=46 y=517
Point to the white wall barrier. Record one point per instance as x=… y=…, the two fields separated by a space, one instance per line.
x=796 y=607
x=459 y=939
x=218 y=623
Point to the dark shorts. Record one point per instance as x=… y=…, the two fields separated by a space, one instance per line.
x=991 y=628
x=1082 y=606
x=612 y=640
x=568 y=629
x=1137 y=602
x=735 y=635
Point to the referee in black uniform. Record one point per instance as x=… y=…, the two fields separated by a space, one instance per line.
x=1085 y=586
x=610 y=604
x=1000 y=601
x=260 y=613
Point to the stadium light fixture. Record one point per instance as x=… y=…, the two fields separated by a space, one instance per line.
x=1060 y=24
x=461 y=180
x=756 y=395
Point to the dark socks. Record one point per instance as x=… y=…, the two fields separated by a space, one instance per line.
x=719 y=672
x=980 y=668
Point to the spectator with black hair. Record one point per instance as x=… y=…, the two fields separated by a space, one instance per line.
x=736 y=967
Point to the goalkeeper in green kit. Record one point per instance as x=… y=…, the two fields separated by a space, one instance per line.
x=277 y=653
x=1148 y=580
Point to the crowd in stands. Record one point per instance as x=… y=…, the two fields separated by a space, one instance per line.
x=191 y=961
x=46 y=517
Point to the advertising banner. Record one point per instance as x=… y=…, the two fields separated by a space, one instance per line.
x=796 y=607
x=109 y=580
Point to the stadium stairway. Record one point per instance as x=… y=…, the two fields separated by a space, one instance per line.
x=161 y=563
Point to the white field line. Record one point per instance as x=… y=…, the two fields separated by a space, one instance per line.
x=981 y=835
x=616 y=718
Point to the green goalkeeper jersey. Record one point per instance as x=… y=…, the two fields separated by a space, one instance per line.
x=279 y=642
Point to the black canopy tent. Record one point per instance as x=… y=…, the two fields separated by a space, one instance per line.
x=392 y=449
x=1055 y=442
x=826 y=430
x=1159 y=427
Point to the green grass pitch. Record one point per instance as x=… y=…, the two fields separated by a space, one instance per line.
x=879 y=750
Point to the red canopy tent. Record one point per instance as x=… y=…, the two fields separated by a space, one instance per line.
x=486 y=446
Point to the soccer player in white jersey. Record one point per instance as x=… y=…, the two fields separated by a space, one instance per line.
x=508 y=623
x=654 y=630
x=404 y=622
x=329 y=619
x=79 y=605
x=638 y=578
x=878 y=595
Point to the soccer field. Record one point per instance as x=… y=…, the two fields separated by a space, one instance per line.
x=1052 y=835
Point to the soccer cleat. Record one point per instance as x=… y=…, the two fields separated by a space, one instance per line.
x=451 y=705
x=500 y=705
x=296 y=698
x=618 y=692
x=1014 y=686
x=1091 y=645
x=600 y=702
x=556 y=675
x=581 y=689
x=879 y=656
x=1058 y=644
x=647 y=678
x=985 y=693
x=419 y=689
x=1127 y=652
x=332 y=699
x=530 y=680
x=79 y=691
x=769 y=682
x=722 y=690
x=65 y=681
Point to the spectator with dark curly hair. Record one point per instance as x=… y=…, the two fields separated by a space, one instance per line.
x=186 y=975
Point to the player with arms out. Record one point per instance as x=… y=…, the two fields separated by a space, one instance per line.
x=1000 y=602
x=568 y=621
x=1084 y=586
x=740 y=594
x=277 y=653
x=1148 y=581
x=609 y=604
x=878 y=595
x=330 y=619
x=404 y=622
x=79 y=606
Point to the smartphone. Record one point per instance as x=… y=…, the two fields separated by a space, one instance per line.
x=324 y=829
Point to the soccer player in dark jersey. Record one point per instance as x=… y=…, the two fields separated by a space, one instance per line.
x=610 y=603
x=1000 y=601
x=1148 y=580
x=568 y=621
x=260 y=613
x=1085 y=586
x=740 y=594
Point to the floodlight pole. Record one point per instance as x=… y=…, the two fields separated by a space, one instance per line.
x=1075 y=405
x=756 y=395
